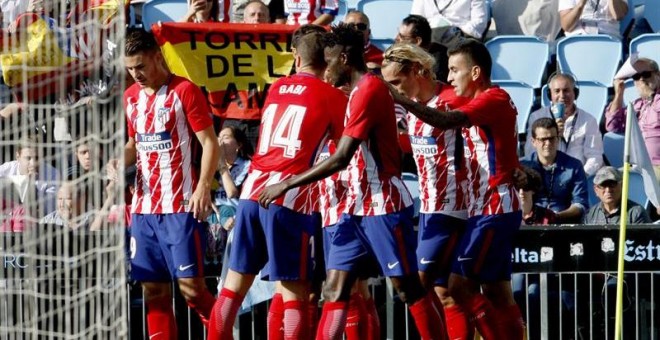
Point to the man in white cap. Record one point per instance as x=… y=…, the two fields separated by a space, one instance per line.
x=647 y=107
x=607 y=185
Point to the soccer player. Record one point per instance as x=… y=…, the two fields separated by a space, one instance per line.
x=494 y=216
x=300 y=114
x=442 y=177
x=168 y=119
x=378 y=208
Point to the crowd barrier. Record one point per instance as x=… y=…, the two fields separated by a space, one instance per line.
x=564 y=283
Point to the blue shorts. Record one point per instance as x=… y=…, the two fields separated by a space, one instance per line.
x=356 y=241
x=318 y=254
x=164 y=247
x=276 y=241
x=484 y=253
x=438 y=239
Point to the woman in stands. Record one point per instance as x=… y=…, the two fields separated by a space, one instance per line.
x=202 y=11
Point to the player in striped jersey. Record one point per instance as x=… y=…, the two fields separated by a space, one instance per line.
x=166 y=117
x=494 y=216
x=300 y=114
x=377 y=223
x=317 y=12
x=442 y=177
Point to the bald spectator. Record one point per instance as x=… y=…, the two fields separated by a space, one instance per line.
x=256 y=12
x=592 y=17
x=71 y=209
x=647 y=107
x=373 y=55
x=415 y=29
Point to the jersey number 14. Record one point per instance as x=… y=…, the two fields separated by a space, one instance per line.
x=285 y=134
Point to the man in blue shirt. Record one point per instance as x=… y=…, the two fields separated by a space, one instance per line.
x=564 y=181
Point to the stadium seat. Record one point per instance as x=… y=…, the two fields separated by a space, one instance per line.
x=154 y=11
x=522 y=96
x=636 y=189
x=590 y=57
x=592 y=98
x=648 y=45
x=519 y=58
x=385 y=16
x=631 y=92
x=412 y=183
x=545 y=100
x=613 y=148
x=652 y=14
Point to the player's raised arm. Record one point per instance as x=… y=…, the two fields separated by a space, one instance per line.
x=200 y=201
x=338 y=161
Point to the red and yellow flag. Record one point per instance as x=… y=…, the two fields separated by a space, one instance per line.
x=234 y=63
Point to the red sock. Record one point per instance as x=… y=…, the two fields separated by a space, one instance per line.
x=295 y=320
x=333 y=321
x=356 y=318
x=439 y=308
x=160 y=319
x=312 y=318
x=482 y=313
x=373 y=324
x=458 y=324
x=427 y=319
x=510 y=322
x=223 y=315
x=203 y=305
x=276 y=318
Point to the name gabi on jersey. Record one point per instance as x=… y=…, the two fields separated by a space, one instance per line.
x=424 y=146
x=292 y=89
x=160 y=141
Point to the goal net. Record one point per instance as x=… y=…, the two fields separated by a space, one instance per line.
x=62 y=218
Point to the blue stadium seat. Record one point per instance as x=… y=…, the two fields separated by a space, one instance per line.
x=631 y=92
x=519 y=58
x=592 y=98
x=385 y=16
x=652 y=14
x=613 y=148
x=636 y=189
x=522 y=96
x=590 y=57
x=163 y=11
x=412 y=183
x=648 y=45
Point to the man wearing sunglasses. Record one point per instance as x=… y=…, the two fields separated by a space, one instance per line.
x=647 y=107
x=373 y=55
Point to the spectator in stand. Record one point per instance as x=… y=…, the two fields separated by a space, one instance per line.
x=12 y=209
x=592 y=16
x=647 y=107
x=565 y=183
x=534 y=214
x=607 y=185
x=317 y=12
x=452 y=20
x=580 y=135
x=256 y=12
x=415 y=29
x=202 y=11
x=71 y=209
x=373 y=55
x=43 y=176
x=84 y=159
x=526 y=17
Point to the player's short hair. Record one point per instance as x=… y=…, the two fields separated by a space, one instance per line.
x=310 y=49
x=304 y=30
x=406 y=56
x=139 y=41
x=419 y=27
x=351 y=40
x=476 y=52
x=544 y=123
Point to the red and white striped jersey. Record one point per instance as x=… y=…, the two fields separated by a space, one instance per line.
x=300 y=114
x=490 y=150
x=163 y=125
x=374 y=179
x=301 y=12
x=439 y=158
x=331 y=190
x=225 y=10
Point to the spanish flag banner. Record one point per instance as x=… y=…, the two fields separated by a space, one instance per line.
x=234 y=63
